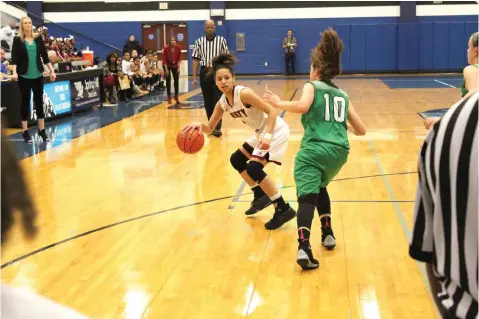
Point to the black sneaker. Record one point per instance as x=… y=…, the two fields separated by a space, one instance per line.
x=280 y=218
x=26 y=137
x=217 y=133
x=44 y=136
x=305 y=258
x=327 y=237
x=258 y=204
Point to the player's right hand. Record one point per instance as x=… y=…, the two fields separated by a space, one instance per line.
x=193 y=126
x=271 y=98
x=195 y=82
x=265 y=144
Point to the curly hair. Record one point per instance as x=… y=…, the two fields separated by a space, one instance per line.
x=223 y=61
x=326 y=57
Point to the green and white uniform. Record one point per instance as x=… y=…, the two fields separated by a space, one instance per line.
x=325 y=145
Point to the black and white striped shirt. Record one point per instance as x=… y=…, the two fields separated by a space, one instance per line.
x=206 y=50
x=446 y=210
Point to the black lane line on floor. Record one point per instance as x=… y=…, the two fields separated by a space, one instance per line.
x=162 y=212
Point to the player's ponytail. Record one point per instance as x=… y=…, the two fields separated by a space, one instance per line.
x=326 y=57
x=224 y=61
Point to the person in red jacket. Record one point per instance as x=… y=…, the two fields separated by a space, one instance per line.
x=171 y=65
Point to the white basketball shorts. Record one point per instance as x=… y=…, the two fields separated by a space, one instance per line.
x=279 y=143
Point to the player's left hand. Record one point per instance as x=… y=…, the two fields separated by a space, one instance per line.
x=53 y=76
x=271 y=98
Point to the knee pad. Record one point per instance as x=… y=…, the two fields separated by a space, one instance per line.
x=248 y=148
x=255 y=171
x=308 y=199
x=239 y=161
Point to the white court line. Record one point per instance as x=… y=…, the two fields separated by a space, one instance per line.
x=417 y=80
x=444 y=83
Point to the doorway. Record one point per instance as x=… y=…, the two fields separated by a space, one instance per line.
x=156 y=36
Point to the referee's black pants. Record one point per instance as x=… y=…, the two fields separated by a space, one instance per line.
x=435 y=286
x=211 y=93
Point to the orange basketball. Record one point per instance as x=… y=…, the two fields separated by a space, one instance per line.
x=190 y=142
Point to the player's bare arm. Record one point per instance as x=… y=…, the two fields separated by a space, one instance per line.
x=356 y=126
x=207 y=128
x=302 y=106
x=470 y=77
x=248 y=96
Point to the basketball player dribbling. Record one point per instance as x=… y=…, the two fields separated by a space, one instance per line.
x=326 y=111
x=268 y=144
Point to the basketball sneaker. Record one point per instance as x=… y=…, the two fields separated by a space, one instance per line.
x=26 y=137
x=217 y=133
x=258 y=204
x=280 y=218
x=327 y=237
x=44 y=136
x=305 y=258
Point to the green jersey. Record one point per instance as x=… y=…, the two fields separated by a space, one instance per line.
x=325 y=122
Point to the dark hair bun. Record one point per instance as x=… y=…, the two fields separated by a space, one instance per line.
x=223 y=61
x=226 y=59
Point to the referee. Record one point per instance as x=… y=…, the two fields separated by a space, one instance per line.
x=445 y=233
x=206 y=49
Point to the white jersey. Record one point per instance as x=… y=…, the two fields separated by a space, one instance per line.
x=126 y=67
x=251 y=116
x=143 y=65
x=257 y=119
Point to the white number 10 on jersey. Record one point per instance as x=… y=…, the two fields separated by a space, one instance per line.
x=339 y=105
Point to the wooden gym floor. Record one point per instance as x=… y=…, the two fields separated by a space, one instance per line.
x=132 y=228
